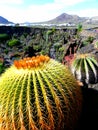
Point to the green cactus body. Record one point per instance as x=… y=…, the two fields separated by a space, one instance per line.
x=85 y=68
x=39 y=93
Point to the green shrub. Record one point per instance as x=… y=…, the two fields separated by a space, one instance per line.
x=4 y=36
x=80 y=27
x=90 y=39
x=1 y=67
x=13 y=42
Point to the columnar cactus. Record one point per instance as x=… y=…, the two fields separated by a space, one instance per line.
x=85 y=68
x=39 y=93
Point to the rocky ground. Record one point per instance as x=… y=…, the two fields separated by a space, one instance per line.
x=19 y=42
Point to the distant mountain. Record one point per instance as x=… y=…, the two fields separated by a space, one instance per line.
x=66 y=18
x=4 y=21
x=93 y=20
x=72 y=19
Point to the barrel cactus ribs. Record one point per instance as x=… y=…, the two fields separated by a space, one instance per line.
x=84 y=66
x=39 y=93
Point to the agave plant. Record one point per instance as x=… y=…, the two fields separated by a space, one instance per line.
x=84 y=66
x=39 y=93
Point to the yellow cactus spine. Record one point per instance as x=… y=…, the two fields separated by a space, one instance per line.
x=39 y=93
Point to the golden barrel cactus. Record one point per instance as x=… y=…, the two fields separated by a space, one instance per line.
x=85 y=68
x=38 y=93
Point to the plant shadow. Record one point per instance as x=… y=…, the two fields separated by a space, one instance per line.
x=89 y=116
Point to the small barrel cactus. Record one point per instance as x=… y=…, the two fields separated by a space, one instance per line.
x=39 y=93
x=85 y=68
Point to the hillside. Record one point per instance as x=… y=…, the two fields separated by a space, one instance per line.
x=4 y=20
x=66 y=18
x=63 y=19
x=73 y=20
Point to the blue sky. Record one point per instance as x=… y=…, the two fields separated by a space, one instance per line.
x=19 y=11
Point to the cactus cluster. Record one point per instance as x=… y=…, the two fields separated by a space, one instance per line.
x=84 y=66
x=39 y=93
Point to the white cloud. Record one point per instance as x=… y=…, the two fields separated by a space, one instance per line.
x=34 y=13
x=43 y=12
x=90 y=12
x=51 y=10
x=38 y=13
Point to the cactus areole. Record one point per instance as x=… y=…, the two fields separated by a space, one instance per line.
x=39 y=93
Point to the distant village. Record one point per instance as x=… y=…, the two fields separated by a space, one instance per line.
x=39 y=24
